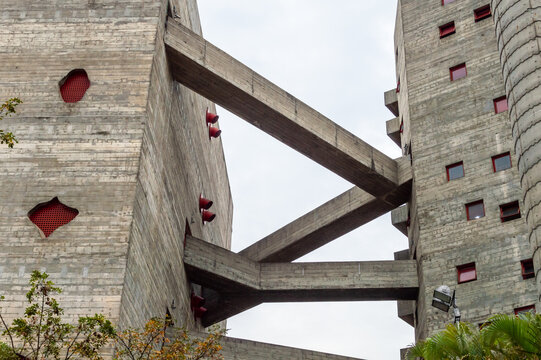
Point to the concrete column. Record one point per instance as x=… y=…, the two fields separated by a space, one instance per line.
x=518 y=29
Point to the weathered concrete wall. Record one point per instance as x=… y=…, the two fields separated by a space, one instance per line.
x=450 y=122
x=86 y=153
x=517 y=25
x=178 y=162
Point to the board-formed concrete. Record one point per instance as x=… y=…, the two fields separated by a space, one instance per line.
x=211 y=72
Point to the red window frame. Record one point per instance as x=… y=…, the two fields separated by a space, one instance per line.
x=448 y=167
x=455 y=74
x=466 y=273
x=443 y=2
x=447 y=29
x=510 y=206
x=496 y=157
x=500 y=104
x=482 y=13
x=473 y=204
x=401 y=129
x=524 y=309
x=398 y=86
x=525 y=266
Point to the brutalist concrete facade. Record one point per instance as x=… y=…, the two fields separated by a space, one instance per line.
x=446 y=122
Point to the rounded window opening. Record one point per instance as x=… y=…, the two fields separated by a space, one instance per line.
x=74 y=85
x=51 y=215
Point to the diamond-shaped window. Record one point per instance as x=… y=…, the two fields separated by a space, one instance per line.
x=51 y=215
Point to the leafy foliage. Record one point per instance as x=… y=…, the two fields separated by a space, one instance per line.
x=504 y=337
x=8 y=109
x=42 y=335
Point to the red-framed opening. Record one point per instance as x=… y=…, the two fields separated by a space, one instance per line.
x=501 y=162
x=466 y=273
x=455 y=171
x=398 y=86
x=509 y=211
x=500 y=104
x=401 y=129
x=527 y=269
x=51 y=215
x=525 y=309
x=482 y=13
x=447 y=29
x=475 y=210
x=458 y=72
x=74 y=86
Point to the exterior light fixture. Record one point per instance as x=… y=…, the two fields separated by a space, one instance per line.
x=443 y=298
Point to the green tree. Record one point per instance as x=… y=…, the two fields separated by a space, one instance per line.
x=8 y=109
x=504 y=337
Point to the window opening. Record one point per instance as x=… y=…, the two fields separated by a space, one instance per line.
x=466 y=273
x=527 y=269
x=525 y=309
x=475 y=210
x=401 y=129
x=398 y=86
x=482 y=13
x=501 y=162
x=74 y=85
x=500 y=104
x=447 y=29
x=458 y=72
x=455 y=171
x=510 y=211
x=51 y=215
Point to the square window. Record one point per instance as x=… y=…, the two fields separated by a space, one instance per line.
x=466 y=273
x=509 y=211
x=443 y=2
x=501 y=162
x=500 y=104
x=527 y=269
x=447 y=29
x=475 y=210
x=482 y=13
x=458 y=72
x=455 y=171
x=525 y=309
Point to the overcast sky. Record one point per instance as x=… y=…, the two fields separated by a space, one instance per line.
x=336 y=56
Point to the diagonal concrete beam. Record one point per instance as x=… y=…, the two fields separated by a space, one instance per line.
x=246 y=280
x=214 y=74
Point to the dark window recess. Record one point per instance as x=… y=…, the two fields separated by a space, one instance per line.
x=74 y=85
x=466 y=273
x=455 y=171
x=525 y=309
x=501 y=162
x=475 y=210
x=527 y=269
x=510 y=211
x=401 y=129
x=51 y=215
x=500 y=104
x=398 y=86
x=458 y=72
x=447 y=29
x=482 y=13
x=444 y=2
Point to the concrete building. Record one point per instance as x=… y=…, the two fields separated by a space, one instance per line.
x=109 y=191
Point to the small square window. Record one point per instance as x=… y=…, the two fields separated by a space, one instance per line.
x=501 y=162
x=525 y=309
x=475 y=210
x=455 y=171
x=527 y=269
x=482 y=13
x=444 y=2
x=458 y=72
x=466 y=273
x=447 y=29
x=509 y=211
x=500 y=104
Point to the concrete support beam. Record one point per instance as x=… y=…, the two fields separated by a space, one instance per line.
x=242 y=281
x=391 y=101
x=214 y=74
x=399 y=219
x=393 y=130
x=405 y=308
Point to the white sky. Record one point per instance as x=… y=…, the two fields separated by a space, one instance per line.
x=336 y=56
